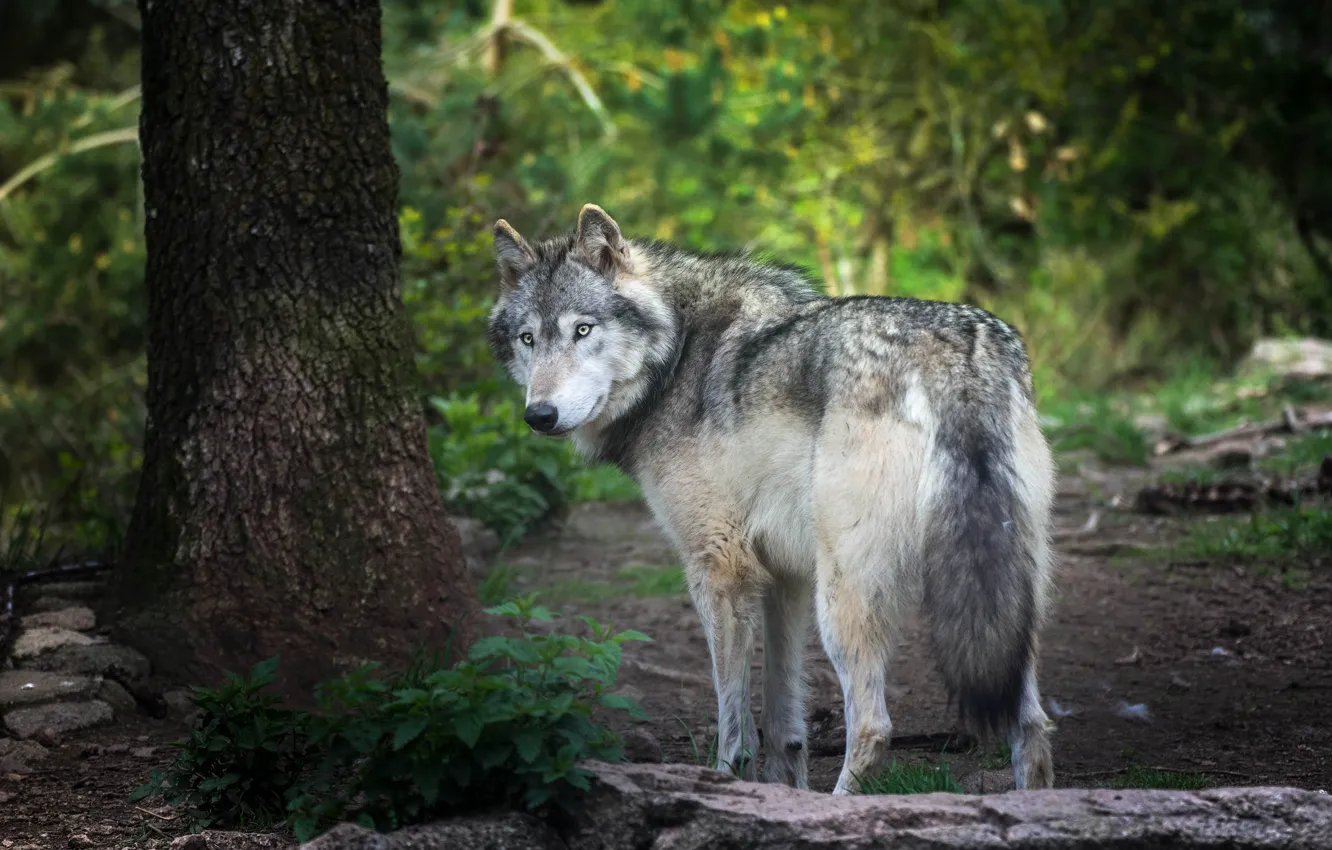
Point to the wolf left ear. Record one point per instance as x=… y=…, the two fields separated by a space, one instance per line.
x=599 y=242
x=513 y=255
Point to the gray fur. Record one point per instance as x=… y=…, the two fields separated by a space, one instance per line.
x=691 y=358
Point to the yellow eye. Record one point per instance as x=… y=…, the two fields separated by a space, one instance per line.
x=583 y=330
x=526 y=339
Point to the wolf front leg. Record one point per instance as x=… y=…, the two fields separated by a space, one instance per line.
x=725 y=581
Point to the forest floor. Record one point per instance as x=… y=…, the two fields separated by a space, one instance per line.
x=1167 y=661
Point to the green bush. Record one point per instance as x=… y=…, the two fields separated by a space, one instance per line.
x=507 y=726
x=243 y=757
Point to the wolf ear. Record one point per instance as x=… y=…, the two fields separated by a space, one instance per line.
x=513 y=255
x=599 y=242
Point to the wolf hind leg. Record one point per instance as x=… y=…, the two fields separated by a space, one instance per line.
x=786 y=609
x=726 y=583
x=857 y=639
x=1029 y=739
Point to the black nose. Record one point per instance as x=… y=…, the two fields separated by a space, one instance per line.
x=542 y=416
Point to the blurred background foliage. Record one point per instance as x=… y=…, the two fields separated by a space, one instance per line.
x=1141 y=188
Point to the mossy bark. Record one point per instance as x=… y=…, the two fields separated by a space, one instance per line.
x=287 y=503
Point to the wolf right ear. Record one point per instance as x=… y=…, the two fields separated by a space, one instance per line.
x=599 y=242
x=513 y=255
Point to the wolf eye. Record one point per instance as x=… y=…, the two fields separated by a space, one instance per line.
x=525 y=339
x=583 y=330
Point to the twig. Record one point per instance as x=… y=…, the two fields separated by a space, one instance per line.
x=42 y=163
x=557 y=58
x=668 y=673
x=1287 y=423
x=154 y=814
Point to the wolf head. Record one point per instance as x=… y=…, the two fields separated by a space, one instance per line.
x=578 y=323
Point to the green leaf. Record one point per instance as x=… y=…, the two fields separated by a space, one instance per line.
x=528 y=744
x=468 y=729
x=408 y=731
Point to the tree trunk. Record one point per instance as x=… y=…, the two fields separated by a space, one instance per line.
x=287 y=502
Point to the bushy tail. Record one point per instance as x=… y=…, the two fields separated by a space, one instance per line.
x=982 y=576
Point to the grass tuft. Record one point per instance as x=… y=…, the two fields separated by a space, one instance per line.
x=910 y=779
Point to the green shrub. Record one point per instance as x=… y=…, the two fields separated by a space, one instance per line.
x=492 y=468
x=241 y=760
x=507 y=726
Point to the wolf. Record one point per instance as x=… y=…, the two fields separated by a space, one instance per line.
x=854 y=457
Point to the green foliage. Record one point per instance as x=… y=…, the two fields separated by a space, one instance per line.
x=1296 y=532
x=1101 y=427
x=493 y=468
x=241 y=760
x=22 y=533
x=910 y=779
x=1301 y=454
x=640 y=581
x=506 y=726
x=1118 y=184
x=1166 y=780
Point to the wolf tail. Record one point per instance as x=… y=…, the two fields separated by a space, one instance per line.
x=986 y=562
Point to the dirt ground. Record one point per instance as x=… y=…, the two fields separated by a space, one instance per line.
x=1230 y=663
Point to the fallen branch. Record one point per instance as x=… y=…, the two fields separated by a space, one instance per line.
x=1288 y=423
x=668 y=673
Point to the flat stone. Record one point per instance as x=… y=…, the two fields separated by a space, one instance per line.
x=66 y=590
x=43 y=639
x=988 y=782
x=212 y=839
x=115 y=695
x=685 y=807
x=77 y=618
x=18 y=756
x=58 y=718
x=34 y=687
x=92 y=659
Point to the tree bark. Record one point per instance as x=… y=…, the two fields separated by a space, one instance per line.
x=287 y=503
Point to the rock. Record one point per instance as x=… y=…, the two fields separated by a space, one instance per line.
x=115 y=695
x=60 y=717
x=641 y=745
x=66 y=590
x=43 y=639
x=479 y=544
x=1304 y=358
x=77 y=618
x=482 y=832
x=211 y=839
x=988 y=782
x=683 y=807
x=93 y=659
x=17 y=756
x=34 y=687
x=144 y=753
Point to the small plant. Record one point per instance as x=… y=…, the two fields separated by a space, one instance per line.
x=241 y=760
x=1296 y=531
x=506 y=726
x=640 y=581
x=998 y=758
x=1303 y=454
x=491 y=468
x=22 y=532
x=1167 y=780
x=1103 y=429
x=910 y=779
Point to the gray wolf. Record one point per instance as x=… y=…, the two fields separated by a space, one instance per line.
x=852 y=456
